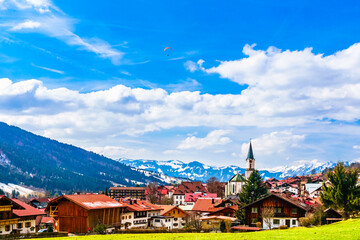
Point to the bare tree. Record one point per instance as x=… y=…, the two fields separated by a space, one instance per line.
x=215 y=186
x=152 y=193
x=267 y=214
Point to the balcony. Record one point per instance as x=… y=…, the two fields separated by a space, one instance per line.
x=5 y=208
x=9 y=221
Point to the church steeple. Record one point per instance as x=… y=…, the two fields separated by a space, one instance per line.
x=250 y=162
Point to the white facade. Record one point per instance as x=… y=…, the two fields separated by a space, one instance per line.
x=277 y=222
x=24 y=226
x=159 y=222
x=233 y=188
x=127 y=219
x=179 y=199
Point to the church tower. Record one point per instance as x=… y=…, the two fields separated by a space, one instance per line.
x=250 y=162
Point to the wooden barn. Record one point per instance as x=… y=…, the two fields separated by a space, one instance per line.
x=81 y=213
x=287 y=211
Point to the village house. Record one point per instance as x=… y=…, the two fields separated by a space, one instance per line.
x=138 y=212
x=27 y=217
x=286 y=211
x=191 y=198
x=40 y=203
x=213 y=222
x=81 y=213
x=187 y=187
x=171 y=217
x=128 y=192
x=204 y=206
x=8 y=220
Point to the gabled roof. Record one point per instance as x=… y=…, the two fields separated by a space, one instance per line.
x=291 y=201
x=27 y=211
x=15 y=204
x=168 y=208
x=205 y=204
x=237 y=178
x=140 y=206
x=218 y=218
x=89 y=201
x=190 y=187
x=42 y=200
x=312 y=187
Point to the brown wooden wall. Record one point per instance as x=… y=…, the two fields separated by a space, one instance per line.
x=272 y=201
x=72 y=218
x=75 y=219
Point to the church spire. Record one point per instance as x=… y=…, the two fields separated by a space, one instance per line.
x=250 y=153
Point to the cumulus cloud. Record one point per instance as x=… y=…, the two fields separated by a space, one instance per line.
x=213 y=138
x=53 y=23
x=274 y=143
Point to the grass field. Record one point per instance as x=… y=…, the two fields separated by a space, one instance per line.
x=349 y=229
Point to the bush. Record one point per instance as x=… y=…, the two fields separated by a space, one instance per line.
x=283 y=227
x=258 y=224
x=100 y=228
x=50 y=229
x=305 y=221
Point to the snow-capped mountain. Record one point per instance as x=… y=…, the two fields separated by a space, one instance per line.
x=202 y=172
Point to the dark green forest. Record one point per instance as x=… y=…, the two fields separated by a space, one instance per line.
x=45 y=163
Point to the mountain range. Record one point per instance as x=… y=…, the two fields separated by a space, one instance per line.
x=202 y=172
x=30 y=160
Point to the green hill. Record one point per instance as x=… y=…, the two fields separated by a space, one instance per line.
x=32 y=160
x=349 y=229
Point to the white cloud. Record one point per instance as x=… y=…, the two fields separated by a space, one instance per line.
x=356 y=147
x=274 y=143
x=49 y=69
x=28 y=24
x=53 y=23
x=215 y=137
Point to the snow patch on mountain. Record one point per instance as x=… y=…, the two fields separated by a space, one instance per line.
x=202 y=172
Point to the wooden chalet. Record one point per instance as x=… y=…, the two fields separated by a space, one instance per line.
x=287 y=211
x=8 y=221
x=81 y=213
x=332 y=216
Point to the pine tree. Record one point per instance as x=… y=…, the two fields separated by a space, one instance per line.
x=253 y=189
x=342 y=193
x=106 y=192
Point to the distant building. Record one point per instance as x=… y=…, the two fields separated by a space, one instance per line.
x=40 y=203
x=171 y=217
x=79 y=213
x=187 y=187
x=234 y=186
x=128 y=192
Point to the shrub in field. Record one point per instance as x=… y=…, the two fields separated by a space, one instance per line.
x=305 y=221
x=258 y=224
x=283 y=227
x=100 y=228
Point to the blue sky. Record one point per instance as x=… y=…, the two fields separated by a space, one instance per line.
x=94 y=74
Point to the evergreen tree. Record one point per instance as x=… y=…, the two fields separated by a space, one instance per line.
x=342 y=193
x=106 y=192
x=253 y=189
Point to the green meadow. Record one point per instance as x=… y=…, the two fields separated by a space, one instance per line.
x=349 y=229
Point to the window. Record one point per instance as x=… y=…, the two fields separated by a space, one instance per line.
x=276 y=221
x=254 y=210
x=28 y=224
x=175 y=219
x=19 y=225
x=7 y=228
x=293 y=222
x=253 y=220
x=157 y=220
x=294 y=211
x=278 y=210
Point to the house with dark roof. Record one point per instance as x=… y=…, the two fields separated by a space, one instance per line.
x=27 y=217
x=40 y=203
x=81 y=213
x=187 y=187
x=286 y=211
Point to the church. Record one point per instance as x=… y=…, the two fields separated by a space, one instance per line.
x=235 y=184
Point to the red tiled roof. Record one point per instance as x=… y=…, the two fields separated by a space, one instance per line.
x=246 y=228
x=15 y=204
x=192 y=197
x=27 y=211
x=140 y=205
x=190 y=187
x=47 y=220
x=205 y=204
x=90 y=201
x=42 y=200
x=168 y=208
x=218 y=217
